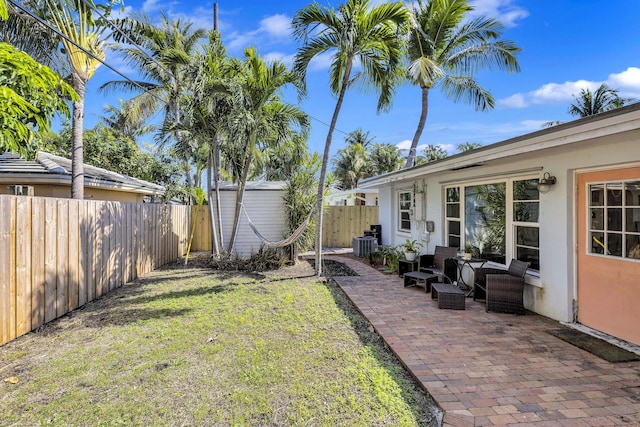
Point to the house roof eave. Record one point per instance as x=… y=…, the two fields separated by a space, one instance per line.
x=597 y=126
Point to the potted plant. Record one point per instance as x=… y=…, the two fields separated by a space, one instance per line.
x=468 y=248
x=410 y=249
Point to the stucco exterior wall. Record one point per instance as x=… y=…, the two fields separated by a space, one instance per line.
x=553 y=292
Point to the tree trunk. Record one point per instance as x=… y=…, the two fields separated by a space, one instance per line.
x=214 y=237
x=216 y=175
x=411 y=158
x=325 y=161
x=77 y=124
x=240 y=194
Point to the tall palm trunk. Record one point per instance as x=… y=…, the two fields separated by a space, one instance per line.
x=240 y=193
x=411 y=158
x=212 y=218
x=325 y=161
x=77 y=123
x=216 y=175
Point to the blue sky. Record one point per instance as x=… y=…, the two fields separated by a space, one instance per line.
x=566 y=45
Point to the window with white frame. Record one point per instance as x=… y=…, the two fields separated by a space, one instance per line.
x=404 y=210
x=614 y=228
x=496 y=221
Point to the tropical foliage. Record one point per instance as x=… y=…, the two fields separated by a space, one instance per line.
x=445 y=51
x=362 y=158
x=84 y=49
x=355 y=31
x=30 y=96
x=588 y=103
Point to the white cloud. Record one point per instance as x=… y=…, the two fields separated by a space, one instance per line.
x=150 y=6
x=560 y=92
x=321 y=62
x=514 y=101
x=278 y=56
x=627 y=83
x=503 y=10
x=404 y=145
x=274 y=28
x=118 y=13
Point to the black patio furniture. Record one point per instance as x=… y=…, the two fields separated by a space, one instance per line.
x=502 y=289
x=449 y=296
x=442 y=263
x=413 y=277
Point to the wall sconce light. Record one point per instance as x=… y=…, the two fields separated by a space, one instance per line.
x=546 y=183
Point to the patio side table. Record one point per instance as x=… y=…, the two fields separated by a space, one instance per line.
x=413 y=277
x=405 y=266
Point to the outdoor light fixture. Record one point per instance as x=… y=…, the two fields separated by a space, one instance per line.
x=546 y=183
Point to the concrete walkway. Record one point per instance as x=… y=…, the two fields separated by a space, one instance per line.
x=489 y=369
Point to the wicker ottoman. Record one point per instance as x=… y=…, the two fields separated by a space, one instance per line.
x=449 y=296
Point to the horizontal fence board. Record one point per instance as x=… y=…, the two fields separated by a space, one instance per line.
x=59 y=254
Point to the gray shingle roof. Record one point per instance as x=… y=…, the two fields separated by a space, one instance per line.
x=49 y=165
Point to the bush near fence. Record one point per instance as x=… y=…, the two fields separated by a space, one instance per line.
x=58 y=254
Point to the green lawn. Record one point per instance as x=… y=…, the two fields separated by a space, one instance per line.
x=201 y=349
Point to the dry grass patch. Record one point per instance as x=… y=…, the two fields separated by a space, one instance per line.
x=192 y=347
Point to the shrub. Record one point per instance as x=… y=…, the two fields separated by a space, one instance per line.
x=264 y=260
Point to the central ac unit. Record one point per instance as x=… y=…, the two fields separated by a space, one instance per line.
x=364 y=245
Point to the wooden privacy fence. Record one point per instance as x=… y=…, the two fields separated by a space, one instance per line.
x=341 y=223
x=58 y=254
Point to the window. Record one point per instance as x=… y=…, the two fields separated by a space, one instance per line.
x=21 y=190
x=526 y=209
x=404 y=211
x=496 y=221
x=453 y=217
x=614 y=209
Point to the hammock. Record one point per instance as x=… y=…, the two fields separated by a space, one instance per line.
x=297 y=233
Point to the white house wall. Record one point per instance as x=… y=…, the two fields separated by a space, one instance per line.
x=551 y=294
x=266 y=210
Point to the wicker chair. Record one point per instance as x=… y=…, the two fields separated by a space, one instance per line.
x=502 y=289
x=442 y=263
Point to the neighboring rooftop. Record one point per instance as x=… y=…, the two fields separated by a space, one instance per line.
x=51 y=169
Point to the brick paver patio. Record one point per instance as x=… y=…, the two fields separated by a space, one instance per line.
x=489 y=369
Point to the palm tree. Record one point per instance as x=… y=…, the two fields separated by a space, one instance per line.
x=162 y=54
x=22 y=30
x=125 y=122
x=262 y=118
x=446 y=52
x=355 y=31
x=432 y=153
x=350 y=166
x=209 y=105
x=384 y=158
x=588 y=103
x=74 y=19
x=358 y=136
x=468 y=146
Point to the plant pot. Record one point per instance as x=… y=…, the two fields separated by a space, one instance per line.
x=410 y=255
